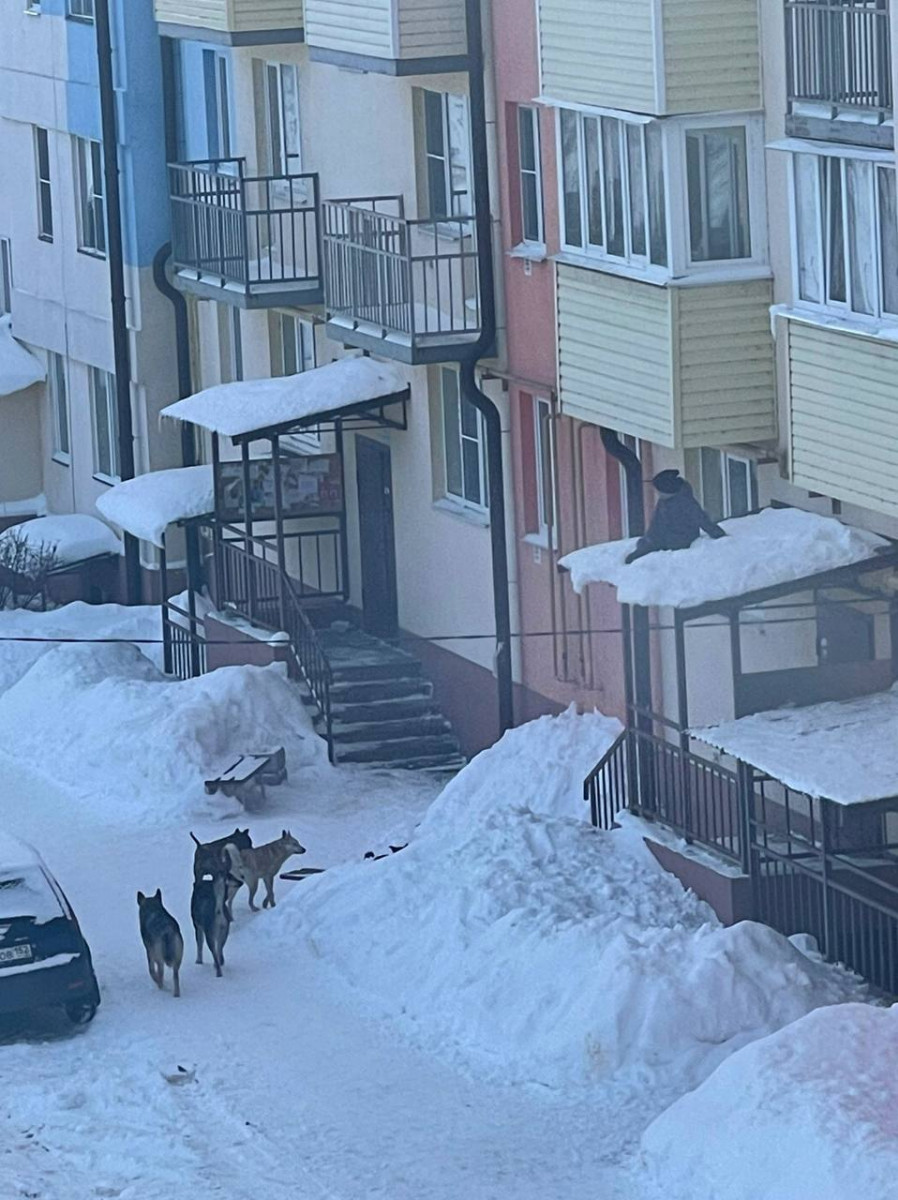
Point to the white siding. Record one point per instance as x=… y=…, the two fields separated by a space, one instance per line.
x=598 y=52
x=711 y=55
x=431 y=28
x=615 y=353
x=355 y=26
x=843 y=411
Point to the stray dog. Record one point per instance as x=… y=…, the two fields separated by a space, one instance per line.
x=162 y=939
x=263 y=862
x=210 y=914
x=207 y=860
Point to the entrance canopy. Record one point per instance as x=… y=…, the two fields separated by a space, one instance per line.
x=844 y=750
x=763 y=553
x=258 y=408
x=19 y=368
x=146 y=505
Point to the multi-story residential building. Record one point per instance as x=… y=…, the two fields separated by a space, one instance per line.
x=66 y=449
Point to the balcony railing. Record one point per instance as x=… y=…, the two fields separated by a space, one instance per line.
x=389 y=276
x=257 y=235
x=837 y=55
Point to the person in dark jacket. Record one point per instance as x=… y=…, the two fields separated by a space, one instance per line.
x=677 y=520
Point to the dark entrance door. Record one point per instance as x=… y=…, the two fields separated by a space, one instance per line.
x=378 y=547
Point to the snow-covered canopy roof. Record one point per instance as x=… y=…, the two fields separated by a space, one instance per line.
x=19 y=368
x=74 y=536
x=15 y=854
x=843 y=750
x=237 y=409
x=146 y=505
x=763 y=550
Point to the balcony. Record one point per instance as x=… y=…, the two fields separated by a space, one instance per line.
x=390 y=37
x=659 y=57
x=403 y=289
x=679 y=366
x=232 y=22
x=839 y=72
x=250 y=241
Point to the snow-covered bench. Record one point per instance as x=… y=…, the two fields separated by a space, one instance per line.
x=245 y=775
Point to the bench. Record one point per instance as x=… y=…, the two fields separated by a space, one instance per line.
x=246 y=775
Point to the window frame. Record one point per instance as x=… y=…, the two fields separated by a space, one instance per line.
x=280 y=160
x=305 y=354
x=537 y=174
x=95 y=377
x=544 y=468
x=44 y=183
x=58 y=392
x=80 y=10
x=90 y=204
x=6 y=277
x=33 y=8
x=217 y=114
x=724 y=459
x=452 y=156
x=462 y=501
x=632 y=443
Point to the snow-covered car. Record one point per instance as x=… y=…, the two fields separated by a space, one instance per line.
x=44 y=959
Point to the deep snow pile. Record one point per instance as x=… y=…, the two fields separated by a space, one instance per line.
x=810 y=1112
x=534 y=948
x=114 y=729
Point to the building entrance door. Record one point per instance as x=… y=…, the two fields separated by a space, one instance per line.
x=376 y=537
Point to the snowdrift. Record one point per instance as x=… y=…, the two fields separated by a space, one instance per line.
x=533 y=948
x=810 y=1112
x=135 y=742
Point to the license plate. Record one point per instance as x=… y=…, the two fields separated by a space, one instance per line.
x=14 y=954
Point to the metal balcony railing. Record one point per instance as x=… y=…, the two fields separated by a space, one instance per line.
x=255 y=232
x=417 y=279
x=837 y=54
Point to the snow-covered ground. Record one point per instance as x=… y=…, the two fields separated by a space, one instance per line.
x=498 y=1011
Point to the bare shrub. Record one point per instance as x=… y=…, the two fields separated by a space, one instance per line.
x=23 y=569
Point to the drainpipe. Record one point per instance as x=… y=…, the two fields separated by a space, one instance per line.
x=116 y=259
x=481 y=348
x=182 y=345
x=642 y=662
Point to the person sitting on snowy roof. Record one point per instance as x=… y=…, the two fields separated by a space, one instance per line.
x=678 y=518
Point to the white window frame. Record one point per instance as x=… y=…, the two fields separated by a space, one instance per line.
x=33 y=8
x=634 y=444
x=535 y=173
x=90 y=202
x=44 y=184
x=281 y=158
x=80 y=10
x=100 y=380
x=460 y=500
x=230 y=334
x=58 y=392
x=5 y=276
x=453 y=157
x=544 y=467
x=217 y=105
x=292 y=329
x=826 y=162
x=675 y=191
x=724 y=459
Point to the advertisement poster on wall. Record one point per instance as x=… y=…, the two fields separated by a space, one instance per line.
x=311 y=485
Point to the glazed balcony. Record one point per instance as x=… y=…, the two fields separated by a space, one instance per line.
x=390 y=37
x=401 y=288
x=247 y=240
x=233 y=22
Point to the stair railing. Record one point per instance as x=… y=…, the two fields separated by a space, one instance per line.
x=307 y=658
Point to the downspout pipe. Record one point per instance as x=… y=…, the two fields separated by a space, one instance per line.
x=484 y=346
x=642 y=662
x=116 y=259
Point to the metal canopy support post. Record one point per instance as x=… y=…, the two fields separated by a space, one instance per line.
x=736 y=654
x=344 y=543
x=248 y=530
x=166 y=629
x=279 y=529
x=193 y=585
x=216 y=524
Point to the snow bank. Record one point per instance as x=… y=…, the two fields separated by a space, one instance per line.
x=73 y=536
x=768 y=548
x=811 y=1111
x=147 y=504
x=531 y=947
x=19 y=368
x=133 y=742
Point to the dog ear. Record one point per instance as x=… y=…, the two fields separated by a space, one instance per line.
x=158 y=895
x=141 y=898
x=284 y=833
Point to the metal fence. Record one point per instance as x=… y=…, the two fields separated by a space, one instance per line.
x=837 y=53
x=252 y=231
x=417 y=278
x=183 y=642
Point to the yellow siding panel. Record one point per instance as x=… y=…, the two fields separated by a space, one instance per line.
x=430 y=28
x=843 y=416
x=204 y=14
x=232 y=16
x=266 y=14
x=725 y=379
x=614 y=353
x=711 y=55
x=598 y=52
x=356 y=26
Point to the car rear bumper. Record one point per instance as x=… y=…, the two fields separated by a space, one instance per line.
x=71 y=983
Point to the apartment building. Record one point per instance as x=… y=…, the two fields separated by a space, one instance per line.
x=65 y=449
x=323 y=206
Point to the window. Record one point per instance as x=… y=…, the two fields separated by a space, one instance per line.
x=447 y=154
x=59 y=406
x=292 y=344
x=545 y=466
x=216 y=89
x=633 y=444
x=44 y=195
x=230 y=343
x=91 y=202
x=717 y=185
x=5 y=277
x=613 y=188
x=280 y=111
x=728 y=484
x=846 y=234
x=464 y=444
x=33 y=6
x=531 y=181
x=82 y=9
x=104 y=417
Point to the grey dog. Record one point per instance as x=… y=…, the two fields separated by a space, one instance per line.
x=211 y=915
x=162 y=939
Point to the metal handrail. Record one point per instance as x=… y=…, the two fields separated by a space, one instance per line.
x=838 y=54
x=309 y=659
x=600 y=797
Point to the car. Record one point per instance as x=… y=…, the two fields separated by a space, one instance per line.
x=45 y=960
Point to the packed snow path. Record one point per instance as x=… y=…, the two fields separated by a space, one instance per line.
x=293 y=1091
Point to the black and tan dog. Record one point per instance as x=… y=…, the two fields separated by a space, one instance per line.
x=207 y=860
x=162 y=939
x=211 y=914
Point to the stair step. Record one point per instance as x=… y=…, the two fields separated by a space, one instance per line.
x=439 y=764
x=400 y=750
x=402 y=708
x=400 y=668
x=362 y=690
x=429 y=725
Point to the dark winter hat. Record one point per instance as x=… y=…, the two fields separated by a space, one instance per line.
x=667 y=482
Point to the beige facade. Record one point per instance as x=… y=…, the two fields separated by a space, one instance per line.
x=388 y=29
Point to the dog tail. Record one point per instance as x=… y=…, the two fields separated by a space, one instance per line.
x=195 y=838
x=234 y=857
